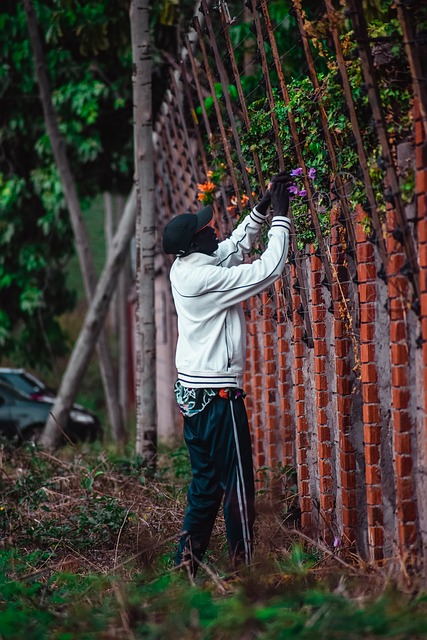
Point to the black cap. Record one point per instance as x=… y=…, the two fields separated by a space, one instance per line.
x=180 y=230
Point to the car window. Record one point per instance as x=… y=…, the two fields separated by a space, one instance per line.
x=19 y=381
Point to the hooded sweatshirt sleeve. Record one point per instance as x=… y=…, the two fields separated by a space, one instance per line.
x=240 y=282
x=233 y=250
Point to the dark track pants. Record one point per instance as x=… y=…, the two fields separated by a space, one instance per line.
x=219 y=445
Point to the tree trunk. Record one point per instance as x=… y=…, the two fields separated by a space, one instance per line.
x=77 y=222
x=92 y=326
x=146 y=438
x=123 y=326
x=109 y=227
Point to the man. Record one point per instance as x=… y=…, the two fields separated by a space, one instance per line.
x=209 y=281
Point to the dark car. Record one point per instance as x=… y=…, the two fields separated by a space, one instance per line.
x=25 y=404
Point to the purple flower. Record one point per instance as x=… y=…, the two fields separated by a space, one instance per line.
x=303 y=192
x=337 y=542
x=293 y=189
x=312 y=173
x=296 y=172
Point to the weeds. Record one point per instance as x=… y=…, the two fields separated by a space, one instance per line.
x=87 y=552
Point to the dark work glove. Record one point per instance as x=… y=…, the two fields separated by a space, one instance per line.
x=280 y=194
x=265 y=201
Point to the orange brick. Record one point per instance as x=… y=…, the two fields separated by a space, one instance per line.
x=421 y=181
x=367 y=352
x=322 y=398
x=372 y=454
x=402 y=443
x=369 y=373
x=404 y=488
x=326 y=502
x=403 y=466
x=344 y=404
x=344 y=386
x=299 y=349
x=402 y=421
x=367 y=312
x=323 y=432
x=341 y=348
x=299 y=393
x=325 y=468
x=299 y=377
x=320 y=382
x=398 y=331
x=324 y=450
x=349 y=517
x=399 y=376
x=367 y=332
x=373 y=476
x=400 y=398
x=320 y=348
x=365 y=252
x=375 y=515
x=319 y=313
x=300 y=408
x=348 y=481
x=319 y=330
x=320 y=365
x=342 y=367
x=349 y=500
x=348 y=461
x=367 y=292
x=407 y=511
x=371 y=413
x=366 y=272
x=370 y=393
x=371 y=434
x=305 y=504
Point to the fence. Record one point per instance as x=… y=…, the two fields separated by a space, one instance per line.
x=337 y=350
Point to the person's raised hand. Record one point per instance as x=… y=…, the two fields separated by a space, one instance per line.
x=264 y=203
x=283 y=178
x=280 y=196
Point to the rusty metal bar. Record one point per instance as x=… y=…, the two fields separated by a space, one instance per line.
x=224 y=81
x=181 y=160
x=245 y=114
x=175 y=195
x=297 y=141
x=325 y=125
x=195 y=76
x=218 y=113
x=183 y=123
x=268 y=87
x=415 y=65
x=360 y=29
x=190 y=102
x=356 y=130
x=298 y=265
x=200 y=146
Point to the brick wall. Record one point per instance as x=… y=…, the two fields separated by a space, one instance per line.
x=349 y=412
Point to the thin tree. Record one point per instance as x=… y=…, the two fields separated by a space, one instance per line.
x=92 y=326
x=146 y=409
x=76 y=217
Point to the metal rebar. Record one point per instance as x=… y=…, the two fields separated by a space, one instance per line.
x=218 y=114
x=356 y=131
x=297 y=142
x=325 y=125
x=239 y=87
x=360 y=29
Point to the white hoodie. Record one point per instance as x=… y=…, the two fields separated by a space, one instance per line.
x=207 y=292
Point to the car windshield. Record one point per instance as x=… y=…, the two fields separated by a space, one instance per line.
x=20 y=381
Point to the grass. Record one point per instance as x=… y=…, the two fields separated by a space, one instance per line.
x=87 y=552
